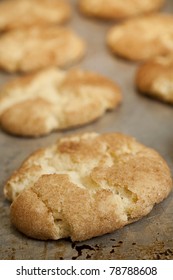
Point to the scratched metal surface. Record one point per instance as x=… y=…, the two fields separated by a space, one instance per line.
x=148 y=120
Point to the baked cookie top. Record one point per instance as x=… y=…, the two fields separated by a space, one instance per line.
x=116 y=9
x=142 y=38
x=155 y=78
x=86 y=185
x=53 y=99
x=26 y=13
x=29 y=49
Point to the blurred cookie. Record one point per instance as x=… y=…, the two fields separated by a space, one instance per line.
x=52 y=99
x=86 y=185
x=26 y=13
x=155 y=78
x=34 y=48
x=142 y=38
x=116 y=9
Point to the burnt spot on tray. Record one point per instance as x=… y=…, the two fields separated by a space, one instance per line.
x=80 y=248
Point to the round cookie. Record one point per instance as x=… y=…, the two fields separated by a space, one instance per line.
x=86 y=185
x=53 y=99
x=29 y=49
x=155 y=78
x=116 y=9
x=142 y=38
x=26 y=13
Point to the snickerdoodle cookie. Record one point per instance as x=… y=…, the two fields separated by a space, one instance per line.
x=26 y=13
x=142 y=38
x=53 y=99
x=118 y=9
x=86 y=185
x=29 y=49
x=155 y=78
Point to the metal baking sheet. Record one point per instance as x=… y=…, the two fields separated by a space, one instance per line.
x=148 y=120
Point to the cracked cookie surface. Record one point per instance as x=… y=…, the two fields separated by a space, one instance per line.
x=53 y=99
x=142 y=38
x=86 y=185
x=116 y=9
x=29 y=49
x=26 y=13
x=155 y=78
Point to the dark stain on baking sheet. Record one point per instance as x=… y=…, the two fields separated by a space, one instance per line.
x=94 y=251
x=80 y=248
x=155 y=251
